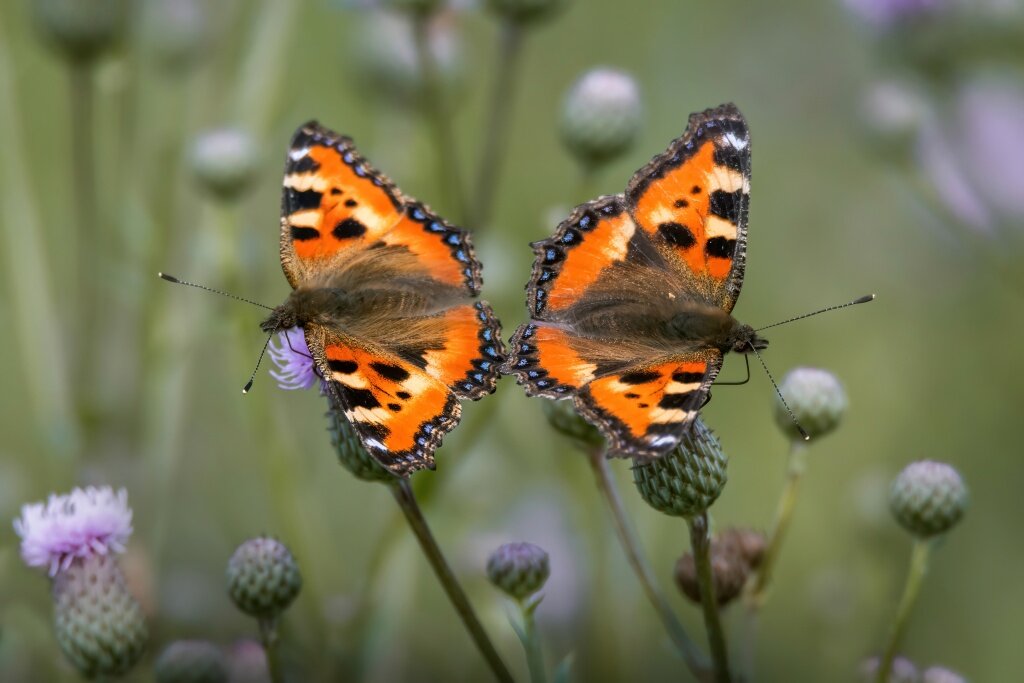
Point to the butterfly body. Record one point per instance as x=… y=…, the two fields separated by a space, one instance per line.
x=385 y=292
x=631 y=299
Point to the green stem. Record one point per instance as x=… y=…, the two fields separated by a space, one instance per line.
x=403 y=494
x=691 y=654
x=587 y=188
x=531 y=643
x=268 y=636
x=915 y=577
x=700 y=541
x=434 y=107
x=496 y=137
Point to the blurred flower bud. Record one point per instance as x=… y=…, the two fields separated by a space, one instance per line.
x=225 y=162
x=81 y=29
x=735 y=553
x=99 y=625
x=518 y=569
x=893 y=112
x=263 y=577
x=928 y=498
x=191 y=661
x=248 y=662
x=526 y=11
x=178 y=32
x=386 y=65
x=817 y=400
x=351 y=454
x=563 y=417
x=601 y=116
x=688 y=479
x=889 y=14
x=939 y=674
x=901 y=671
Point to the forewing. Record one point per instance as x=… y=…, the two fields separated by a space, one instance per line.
x=692 y=201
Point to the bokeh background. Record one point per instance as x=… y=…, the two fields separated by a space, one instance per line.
x=888 y=141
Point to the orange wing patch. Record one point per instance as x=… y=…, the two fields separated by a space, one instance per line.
x=645 y=409
x=470 y=356
x=400 y=412
x=547 y=362
x=693 y=198
x=443 y=250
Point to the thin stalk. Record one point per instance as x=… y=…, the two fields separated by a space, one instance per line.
x=403 y=494
x=496 y=137
x=531 y=643
x=587 y=188
x=434 y=106
x=268 y=636
x=915 y=577
x=87 y=240
x=700 y=541
x=691 y=654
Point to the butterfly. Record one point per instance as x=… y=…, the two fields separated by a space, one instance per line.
x=631 y=299
x=386 y=294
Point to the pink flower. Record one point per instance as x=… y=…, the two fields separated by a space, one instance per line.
x=296 y=369
x=93 y=521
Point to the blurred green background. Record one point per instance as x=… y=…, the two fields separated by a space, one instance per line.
x=888 y=143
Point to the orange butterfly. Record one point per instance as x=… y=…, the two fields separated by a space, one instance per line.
x=631 y=298
x=385 y=292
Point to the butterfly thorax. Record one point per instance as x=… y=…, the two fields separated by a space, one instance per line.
x=317 y=305
x=710 y=326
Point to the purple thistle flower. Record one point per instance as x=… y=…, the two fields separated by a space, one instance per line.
x=296 y=369
x=85 y=522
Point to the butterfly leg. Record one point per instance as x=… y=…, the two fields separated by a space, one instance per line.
x=746 y=359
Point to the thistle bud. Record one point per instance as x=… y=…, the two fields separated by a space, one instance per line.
x=688 y=479
x=525 y=11
x=178 y=32
x=563 y=417
x=817 y=400
x=81 y=29
x=191 y=661
x=735 y=553
x=225 y=162
x=263 y=577
x=901 y=671
x=518 y=569
x=928 y=498
x=601 y=116
x=939 y=674
x=351 y=454
x=99 y=625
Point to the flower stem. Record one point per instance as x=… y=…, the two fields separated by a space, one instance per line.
x=403 y=494
x=531 y=643
x=915 y=577
x=700 y=541
x=692 y=655
x=502 y=100
x=268 y=636
x=434 y=107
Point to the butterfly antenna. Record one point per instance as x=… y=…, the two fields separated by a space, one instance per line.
x=171 y=278
x=860 y=300
x=252 y=377
x=799 y=428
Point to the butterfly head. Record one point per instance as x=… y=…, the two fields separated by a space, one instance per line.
x=745 y=339
x=306 y=305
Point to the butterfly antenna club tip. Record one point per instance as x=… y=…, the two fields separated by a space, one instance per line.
x=864 y=299
x=169 y=278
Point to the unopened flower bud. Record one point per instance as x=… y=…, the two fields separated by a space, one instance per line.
x=817 y=400
x=263 y=577
x=735 y=553
x=928 y=498
x=563 y=417
x=518 y=569
x=81 y=29
x=99 y=625
x=225 y=162
x=901 y=671
x=191 y=661
x=939 y=674
x=601 y=116
x=688 y=479
x=351 y=454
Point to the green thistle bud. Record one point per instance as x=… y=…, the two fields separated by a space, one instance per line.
x=263 y=577
x=928 y=498
x=99 y=625
x=81 y=29
x=225 y=162
x=687 y=480
x=351 y=454
x=601 y=116
x=191 y=661
x=901 y=671
x=518 y=569
x=178 y=32
x=526 y=11
x=817 y=400
x=563 y=417
x=939 y=674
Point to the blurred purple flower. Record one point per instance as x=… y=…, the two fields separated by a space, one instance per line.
x=943 y=167
x=884 y=14
x=85 y=522
x=296 y=369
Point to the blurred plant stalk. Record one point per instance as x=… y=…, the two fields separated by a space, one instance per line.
x=700 y=542
x=920 y=554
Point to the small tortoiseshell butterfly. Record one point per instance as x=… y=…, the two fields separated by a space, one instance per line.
x=385 y=292
x=631 y=298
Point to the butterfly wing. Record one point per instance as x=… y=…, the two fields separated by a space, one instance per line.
x=692 y=200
